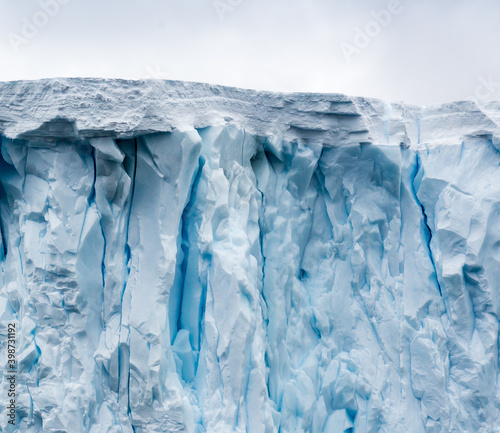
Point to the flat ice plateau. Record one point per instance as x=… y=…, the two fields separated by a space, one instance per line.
x=181 y=257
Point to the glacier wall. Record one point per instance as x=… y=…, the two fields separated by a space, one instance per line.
x=190 y=258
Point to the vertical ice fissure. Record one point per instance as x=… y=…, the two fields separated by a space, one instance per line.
x=3 y=239
x=127 y=255
x=185 y=243
x=3 y=195
x=426 y=225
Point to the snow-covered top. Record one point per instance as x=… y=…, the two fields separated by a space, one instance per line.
x=80 y=108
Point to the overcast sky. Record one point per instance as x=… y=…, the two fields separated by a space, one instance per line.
x=419 y=51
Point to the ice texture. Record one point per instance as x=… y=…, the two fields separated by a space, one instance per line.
x=182 y=257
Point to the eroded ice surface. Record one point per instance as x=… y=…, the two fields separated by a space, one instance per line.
x=185 y=257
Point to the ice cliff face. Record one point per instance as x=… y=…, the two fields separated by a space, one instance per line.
x=192 y=258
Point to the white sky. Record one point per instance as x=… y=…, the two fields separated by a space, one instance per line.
x=431 y=50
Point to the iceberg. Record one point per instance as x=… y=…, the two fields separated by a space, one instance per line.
x=183 y=257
